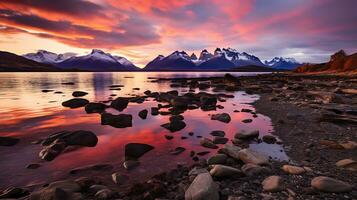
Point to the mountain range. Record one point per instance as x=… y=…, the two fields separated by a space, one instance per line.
x=224 y=59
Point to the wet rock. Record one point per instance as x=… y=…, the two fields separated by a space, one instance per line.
x=120 y=103
x=254 y=157
x=75 y=103
x=117 y=121
x=8 y=141
x=81 y=138
x=154 y=111
x=177 y=150
x=180 y=103
x=273 y=184
x=79 y=94
x=208 y=102
x=218 y=133
x=202 y=188
x=247 y=135
x=13 y=193
x=169 y=137
x=46 y=91
x=293 y=169
x=176 y=118
x=143 y=114
x=222 y=117
x=253 y=170
x=224 y=171
x=33 y=166
x=174 y=126
x=96 y=167
x=95 y=107
x=131 y=164
x=50 y=152
x=327 y=184
x=136 y=150
x=231 y=150
x=202 y=153
x=246 y=110
x=104 y=194
x=348 y=164
x=269 y=139
x=205 y=142
x=220 y=140
x=247 y=120
x=217 y=159
x=119 y=178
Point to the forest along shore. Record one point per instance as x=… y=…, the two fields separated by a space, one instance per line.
x=315 y=116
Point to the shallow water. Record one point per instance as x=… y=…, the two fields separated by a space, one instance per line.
x=30 y=114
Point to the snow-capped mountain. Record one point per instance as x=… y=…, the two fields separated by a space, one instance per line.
x=222 y=59
x=47 y=57
x=282 y=63
x=98 y=60
x=178 y=60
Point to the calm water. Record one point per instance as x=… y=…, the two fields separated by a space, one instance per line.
x=29 y=114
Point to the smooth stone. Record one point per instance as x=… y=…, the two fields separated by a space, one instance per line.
x=273 y=184
x=220 y=140
x=222 y=117
x=95 y=107
x=348 y=164
x=119 y=178
x=176 y=118
x=136 y=150
x=247 y=135
x=254 y=157
x=143 y=114
x=252 y=169
x=79 y=94
x=202 y=188
x=75 y=103
x=217 y=159
x=81 y=138
x=218 y=133
x=327 y=184
x=131 y=164
x=231 y=150
x=120 y=103
x=205 y=142
x=8 y=141
x=293 y=169
x=224 y=171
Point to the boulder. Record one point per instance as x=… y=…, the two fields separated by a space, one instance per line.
x=247 y=120
x=217 y=159
x=95 y=107
x=120 y=103
x=202 y=188
x=79 y=94
x=254 y=157
x=8 y=141
x=154 y=111
x=205 y=142
x=327 y=184
x=143 y=114
x=117 y=121
x=136 y=150
x=75 y=103
x=222 y=117
x=273 y=184
x=242 y=135
x=224 y=171
x=348 y=164
x=293 y=169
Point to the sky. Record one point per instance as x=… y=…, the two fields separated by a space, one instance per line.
x=308 y=30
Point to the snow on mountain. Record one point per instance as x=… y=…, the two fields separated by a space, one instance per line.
x=47 y=57
x=282 y=63
x=98 y=60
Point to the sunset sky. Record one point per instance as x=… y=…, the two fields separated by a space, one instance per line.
x=308 y=30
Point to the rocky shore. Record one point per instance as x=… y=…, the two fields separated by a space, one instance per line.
x=315 y=118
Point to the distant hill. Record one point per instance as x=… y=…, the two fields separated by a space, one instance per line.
x=10 y=62
x=340 y=62
x=255 y=68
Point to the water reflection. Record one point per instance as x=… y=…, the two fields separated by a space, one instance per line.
x=29 y=114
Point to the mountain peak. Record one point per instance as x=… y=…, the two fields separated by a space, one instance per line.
x=97 y=51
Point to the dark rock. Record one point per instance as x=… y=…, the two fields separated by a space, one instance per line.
x=117 y=121
x=247 y=135
x=33 y=166
x=218 y=133
x=95 y=107
x=143 y=114
x=246 y=110
x=208 y=102
x=75 y=103
x=81 y=138
x=202 y=153
x=217 y=159
x=247 y=120
x=169 y=137
x=8 y=141
x=222 y=117
x=46 y=91
x=225 y=171
x=220 y=140
x=154 y=111
x=79 y=94
x=176 y=118
x=205 y=142
x=269 y=139
x=120 y=103
x=119 y=178
x=177 y=150
x=175 y=125
x=136 y=150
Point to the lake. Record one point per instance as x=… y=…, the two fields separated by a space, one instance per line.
x=29 y=114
